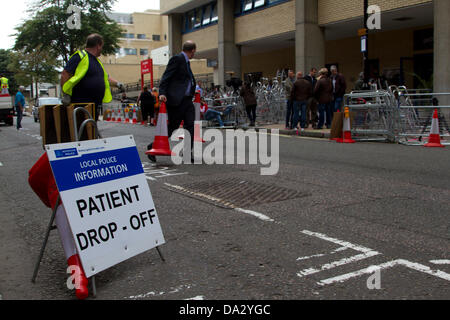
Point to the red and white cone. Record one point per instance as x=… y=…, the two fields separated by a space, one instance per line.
x=80 y=281
x=119 y=115
x=197 y=104
x=161 y=146
x=134 y=116
x=346 y=130
x=434 y=141
x=43 y=183
x=108 y=115
x=126 y=115
x=113 y=118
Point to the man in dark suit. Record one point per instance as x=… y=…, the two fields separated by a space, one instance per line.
x=176 y=89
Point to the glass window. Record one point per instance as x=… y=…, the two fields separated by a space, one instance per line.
x=156 y=37
x=143 y=52
x=141 y=36
x=237 y=7
x=214 y=16
x=259 y=3
x=248 y=4
x=190 y=20
x=130 y=51
x=127 y=35
x=207 y=15
x=198 y=17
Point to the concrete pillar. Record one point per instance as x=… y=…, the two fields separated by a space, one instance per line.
x=175 y=37
x=442 y=51
x=229 y=55
x=309 y=37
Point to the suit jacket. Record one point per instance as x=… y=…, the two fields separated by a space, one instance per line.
x=175 y=80
x=312 y=80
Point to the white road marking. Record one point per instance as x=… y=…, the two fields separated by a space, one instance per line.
x=337 y=241
x=440 y=261
x=196 y=298
x=323 y=254
x=153 y=293
x=212 y=198
x=390 y=264
x=334 y=264
x=255 y=214
x=1 y=164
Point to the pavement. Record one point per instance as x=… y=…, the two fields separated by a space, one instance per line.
x=309 y=132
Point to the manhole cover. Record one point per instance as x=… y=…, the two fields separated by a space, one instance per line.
x=236 y=193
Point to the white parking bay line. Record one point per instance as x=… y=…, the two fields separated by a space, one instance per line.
x=337 y=241
x=365 y=255
x=412 y=265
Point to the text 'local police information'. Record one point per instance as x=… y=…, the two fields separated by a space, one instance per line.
x=107 y=200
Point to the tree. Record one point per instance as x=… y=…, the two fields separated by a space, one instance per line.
x=48 y=29
x=5 y=59
x=37 y=66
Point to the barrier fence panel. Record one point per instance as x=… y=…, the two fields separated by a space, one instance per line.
x=398 y=115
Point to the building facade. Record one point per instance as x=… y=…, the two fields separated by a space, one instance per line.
x=241 y=37
x=144 y=33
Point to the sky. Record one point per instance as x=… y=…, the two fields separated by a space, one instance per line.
x=13 y=16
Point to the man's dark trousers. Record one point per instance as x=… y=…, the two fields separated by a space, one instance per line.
x=185 y=111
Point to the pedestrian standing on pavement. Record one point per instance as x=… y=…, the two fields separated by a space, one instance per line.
x=19 y=104
x=311 y=109
x=84 y=79
x=289 y=83
x=147 y=103
x=250 y=102
x=176 y=89
x=323 y=92
x=301 y=92
x=339 y=88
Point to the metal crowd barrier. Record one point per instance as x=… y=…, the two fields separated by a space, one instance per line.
x=396 y=115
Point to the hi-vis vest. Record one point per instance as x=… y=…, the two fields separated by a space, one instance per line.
x=81 y=71
x=4 y=83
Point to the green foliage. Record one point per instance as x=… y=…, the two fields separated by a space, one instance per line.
x=5 y=59
x=48 y=30
x=34 y=66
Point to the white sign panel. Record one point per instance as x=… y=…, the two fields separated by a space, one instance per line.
x=107 y=200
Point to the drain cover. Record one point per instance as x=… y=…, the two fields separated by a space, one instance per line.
x=236 y=193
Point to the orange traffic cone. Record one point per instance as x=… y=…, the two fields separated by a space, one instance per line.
x=434 y=141
x=126 y=115
x=134 y=116
x=108 y=114
x=119 y=111
x=160 y=146
x=346 y=130
x=113 y=118
x=197 y=104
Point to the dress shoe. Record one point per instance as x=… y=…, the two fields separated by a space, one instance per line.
x=150 y=157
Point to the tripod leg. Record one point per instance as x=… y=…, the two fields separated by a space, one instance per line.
x=94 y=288
x=52 y=219
x=160 y=255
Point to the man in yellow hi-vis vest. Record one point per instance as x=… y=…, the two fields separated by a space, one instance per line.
x=84 y=78
x=4 y=85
